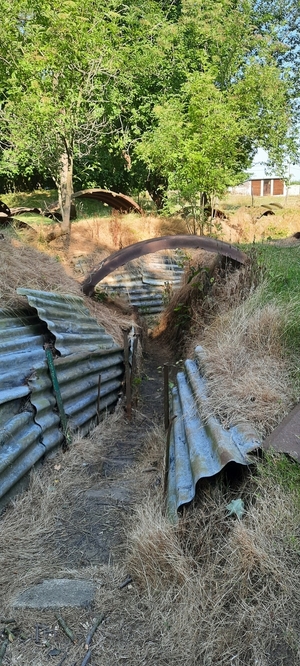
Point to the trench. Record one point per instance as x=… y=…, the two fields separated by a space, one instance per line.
x=92 y=530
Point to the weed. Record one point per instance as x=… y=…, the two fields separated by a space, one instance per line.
x=101 y=296
x=167 y=293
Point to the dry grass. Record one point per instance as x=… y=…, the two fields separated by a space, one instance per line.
x=247 y=366
x=247 y=372
x=24 y=266
x=215 y=590
x=214 y=287
x=221 y=591
x=30 y=551
x=26 y=547
x=244 y=225
x=91 y=237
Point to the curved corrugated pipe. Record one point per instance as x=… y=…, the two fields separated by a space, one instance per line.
x=116 y=200
x=155 y=245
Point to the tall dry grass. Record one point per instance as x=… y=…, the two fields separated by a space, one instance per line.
x=247 y=370
x=24 y=266
x=247 y=224
x=247 y=366
x=221 y=591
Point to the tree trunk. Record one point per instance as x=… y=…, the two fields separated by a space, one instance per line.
x=65 y=188
x=156 y=185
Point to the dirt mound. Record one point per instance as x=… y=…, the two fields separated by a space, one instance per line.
x=290 y=241
x=24 y=266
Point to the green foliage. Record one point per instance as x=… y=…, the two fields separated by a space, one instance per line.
x=148 y=95
x=230 y=98
x=73 y=81
x=281 y=278
x=282 y=270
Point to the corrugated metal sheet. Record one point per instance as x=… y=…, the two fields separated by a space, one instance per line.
x=78 y=379
x=29 y=422
x=69 y=320
x=199 y=446
x=147 y=285
x=21 y=350
x=20 y=448
x=118 y=201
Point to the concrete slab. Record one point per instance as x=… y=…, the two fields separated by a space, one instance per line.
x=286 y=437
x=57 y=593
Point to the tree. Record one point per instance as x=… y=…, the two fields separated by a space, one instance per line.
x=233 y=98
x=68 y=86
x=60 y=92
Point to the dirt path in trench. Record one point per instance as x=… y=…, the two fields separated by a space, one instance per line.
x=93 y=530
x=89 y=542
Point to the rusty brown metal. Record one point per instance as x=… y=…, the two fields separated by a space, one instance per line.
x=23 y=209
x=116 y=200
x=155 y=245
x=4 y=210
x=286 y=437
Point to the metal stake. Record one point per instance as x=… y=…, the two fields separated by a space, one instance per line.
x=166 y=396
x=98 y=399
x=127 y=375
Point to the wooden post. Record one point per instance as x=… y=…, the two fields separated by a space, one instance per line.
x=134 y=388
x=98 y=399
x=166 y=396
x=167 y=454
x=127 y=374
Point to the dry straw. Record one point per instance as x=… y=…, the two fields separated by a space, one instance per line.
x=222 y=591
x=24 y=266
x=248 y=374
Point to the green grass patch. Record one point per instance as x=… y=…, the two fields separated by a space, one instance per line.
x=86 y=208
x=282 y=471
x=37 y=199
x=282 y=282
x=279 y=270
x=282 y=270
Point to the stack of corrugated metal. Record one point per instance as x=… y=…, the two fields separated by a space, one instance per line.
x=29 y=421
x=199 y=446
x=146 y=284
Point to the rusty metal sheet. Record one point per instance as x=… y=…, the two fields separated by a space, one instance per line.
x=69 y=321
x=142 y=248
x=286 y=437
x=199 y=446
x=4 y=209
x=116 y=200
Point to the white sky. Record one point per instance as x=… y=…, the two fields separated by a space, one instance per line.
x=258 y=169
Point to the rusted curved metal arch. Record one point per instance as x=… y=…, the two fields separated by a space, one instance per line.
x=115 y=200
x=131 y=252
